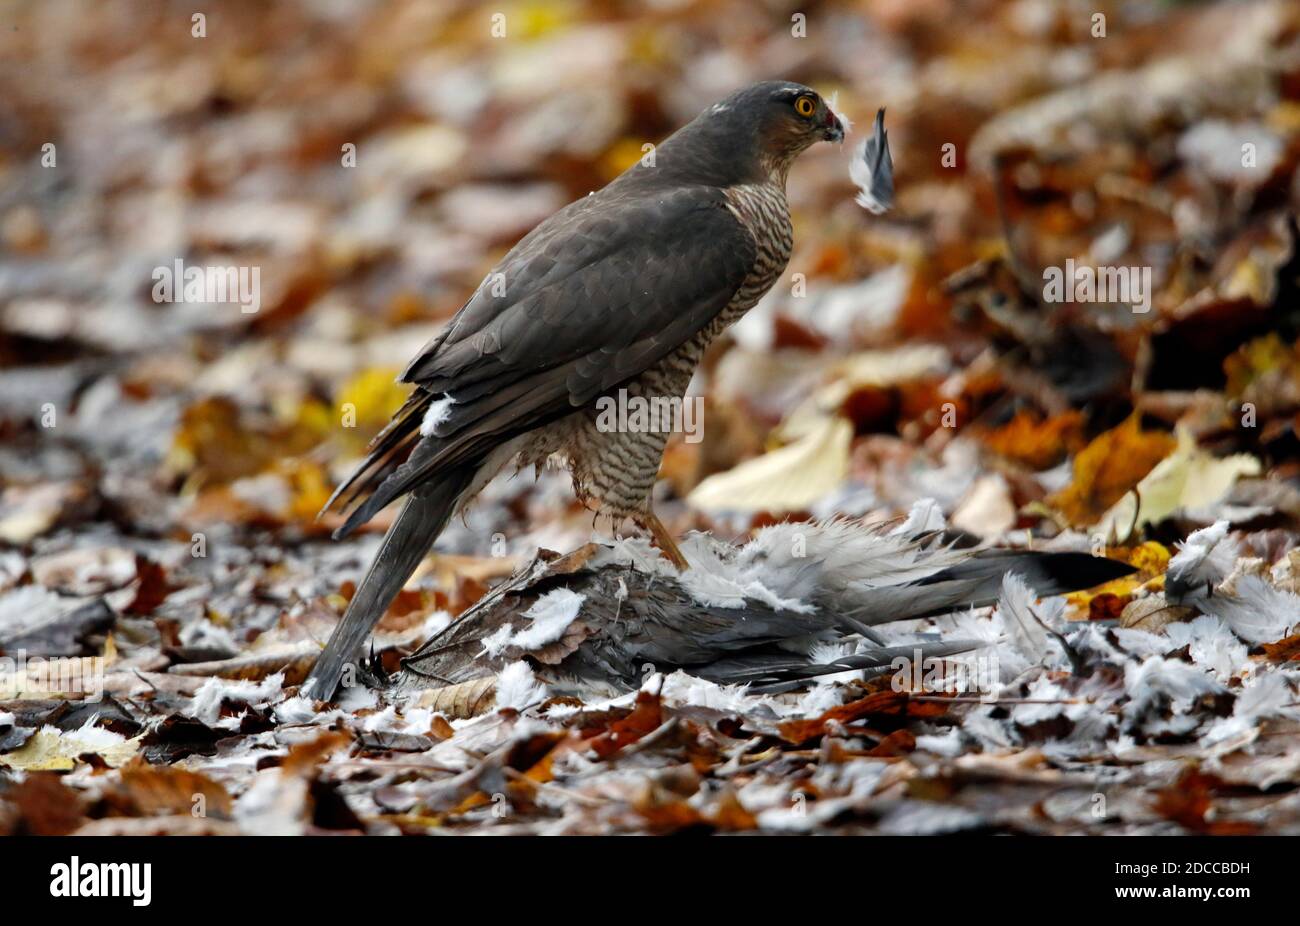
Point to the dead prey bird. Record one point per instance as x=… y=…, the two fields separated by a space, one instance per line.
x=757 y=615
x=619 y=293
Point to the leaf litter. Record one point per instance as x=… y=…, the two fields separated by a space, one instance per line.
x=166 y=584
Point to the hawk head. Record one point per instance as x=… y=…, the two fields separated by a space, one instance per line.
x=789 y=116
x=753 y=135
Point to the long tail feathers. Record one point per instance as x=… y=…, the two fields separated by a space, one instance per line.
x=978 y=582
x=424 y=514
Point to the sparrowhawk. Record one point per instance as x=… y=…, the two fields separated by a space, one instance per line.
x=622 y=289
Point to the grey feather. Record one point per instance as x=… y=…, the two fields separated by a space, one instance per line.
x=873 y=170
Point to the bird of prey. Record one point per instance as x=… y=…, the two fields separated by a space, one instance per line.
x=623 y=289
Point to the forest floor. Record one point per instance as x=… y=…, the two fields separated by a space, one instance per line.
x=165 y=583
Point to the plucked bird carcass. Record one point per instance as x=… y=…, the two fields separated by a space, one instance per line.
x=764 y=615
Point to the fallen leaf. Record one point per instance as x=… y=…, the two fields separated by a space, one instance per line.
x=788 y=479
x=877 y=704
x=150 y=791
x=46 y=806
x=1107 y=468
x=1188 y=478
x=1038 y=443
x=51 y=749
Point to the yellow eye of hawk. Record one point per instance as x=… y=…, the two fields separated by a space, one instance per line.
x=805 y=106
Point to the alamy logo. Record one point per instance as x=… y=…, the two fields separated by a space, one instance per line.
x=1081 y=283
x=961 y=674
x=658 y=414
x=179 y=283
x=22 y=674
x=103 y=879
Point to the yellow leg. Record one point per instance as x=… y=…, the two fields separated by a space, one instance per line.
x=664 y=540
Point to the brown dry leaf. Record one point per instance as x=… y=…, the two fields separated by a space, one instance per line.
x=1284 y=650
x=1107 y=468
x=1151 y=614
x=46 y=806
x=294 y=660
x=152 y=587
x=898 y=743
x=151 y=791
x=304 y=758
x=877 y=704
x=1190 y=803
x=666 y=813
x=645 y=717
x=174 y=825
x=1038 y=443
x=27 y=512
x=85 y=570
x=462 y=701
x=51 y=749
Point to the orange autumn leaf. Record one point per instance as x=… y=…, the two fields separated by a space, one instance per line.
x=878 y=704
x=1190 y=803
x=149 y=791
x=1284 y=650
x=1037 y=443
x=1106 y=602
x=898 y=743
x=670 y=814
x=1108 y=468
x=645 y=718
x=1106 y=607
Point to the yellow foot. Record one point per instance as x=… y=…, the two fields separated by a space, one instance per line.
x=667 y=545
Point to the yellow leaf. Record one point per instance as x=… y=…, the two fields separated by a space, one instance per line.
x=369 y=399
x=53 y=750
x=1107 y=468
x=1188 y=478
x=1255 y=359
x=788 y=479
x=1151 y=560
x=624 y=153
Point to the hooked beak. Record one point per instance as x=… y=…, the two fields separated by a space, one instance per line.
x=833 y=128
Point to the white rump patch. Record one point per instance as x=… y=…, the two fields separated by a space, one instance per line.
x=439 y=411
